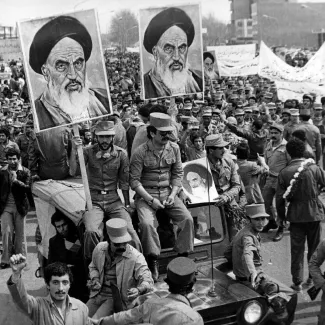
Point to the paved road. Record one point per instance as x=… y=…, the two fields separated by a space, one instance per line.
x=276 y=258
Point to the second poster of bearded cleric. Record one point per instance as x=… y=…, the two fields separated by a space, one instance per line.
x=171 y=51
x=65 y=69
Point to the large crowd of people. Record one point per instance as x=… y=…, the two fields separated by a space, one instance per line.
x=265 y=156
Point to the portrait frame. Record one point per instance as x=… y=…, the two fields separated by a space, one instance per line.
x=95 y=66
x=202 y=168
x=195 y=54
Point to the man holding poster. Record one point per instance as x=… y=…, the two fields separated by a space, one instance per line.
x=168 y=37
x=59 y=54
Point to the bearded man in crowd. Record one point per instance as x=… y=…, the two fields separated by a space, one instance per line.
x=61 y=59
x=209 y=72
x=168 y=38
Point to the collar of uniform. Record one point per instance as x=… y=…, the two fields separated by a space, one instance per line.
x=180 y=298
x=151 y=148
x=70 y=303
x=270 y=147
x=113 y=151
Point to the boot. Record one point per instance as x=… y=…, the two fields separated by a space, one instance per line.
x=153 y=265
x=279 y=234
x=271 y=225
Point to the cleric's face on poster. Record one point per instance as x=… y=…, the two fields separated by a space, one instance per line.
x=171 y=51
x=60 y=56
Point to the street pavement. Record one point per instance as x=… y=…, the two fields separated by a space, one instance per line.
x=276 y=263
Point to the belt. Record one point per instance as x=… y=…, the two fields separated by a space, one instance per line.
x=240 y=278
x=157 y=187
x=273 y=176
x=102 y=192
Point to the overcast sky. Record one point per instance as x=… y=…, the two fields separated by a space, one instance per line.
x=15 y=10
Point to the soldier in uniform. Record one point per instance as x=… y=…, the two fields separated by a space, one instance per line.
x=107 y=168
x=156 y=175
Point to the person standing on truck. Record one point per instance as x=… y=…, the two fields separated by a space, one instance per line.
x=156 y=175
x=107 y=168
x=175 y=309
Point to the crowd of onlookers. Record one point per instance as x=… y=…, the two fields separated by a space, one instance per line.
x=239 y=124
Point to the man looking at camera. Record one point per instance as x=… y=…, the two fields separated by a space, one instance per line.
x=156 y=175
x=58 y=307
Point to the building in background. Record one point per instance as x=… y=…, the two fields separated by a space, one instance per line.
x=280 y=22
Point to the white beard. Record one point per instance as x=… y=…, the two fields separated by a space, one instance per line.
x=211 y=74
x=175 y=81
x=199 y=191
x=75 y=103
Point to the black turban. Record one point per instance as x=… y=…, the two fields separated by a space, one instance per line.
x=163 y=21
x=53 y=32
x=208 y=55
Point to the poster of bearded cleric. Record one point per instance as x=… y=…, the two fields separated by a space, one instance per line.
x=171 y=51
x=198 y=182
x=65 y=69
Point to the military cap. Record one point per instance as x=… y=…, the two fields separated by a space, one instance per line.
x=294 y=112
x=215 y=140
x=286 y=111
x=181 y=271
x=239 y=112
x=188 y=106
x=308 y=96
x=216 y=111
x=163 y=21
x=256 y=109
x=276 y=126
x=185 y=119
x=53 y=32
x=248 y=109
x=268 y=95
x=271 y=105
x=207 y=112
x=318 y=106
x=208 y=55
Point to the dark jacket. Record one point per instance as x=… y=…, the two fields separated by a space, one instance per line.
x=45 y=119
x=19 y=189
x=256 y=141
x=151 y=91
x=305 y=205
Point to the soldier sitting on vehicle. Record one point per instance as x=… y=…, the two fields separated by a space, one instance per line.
x=244 y=254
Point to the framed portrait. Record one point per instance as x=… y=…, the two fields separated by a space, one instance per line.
x=198 y=182
x=65 y=69
x=171 y=51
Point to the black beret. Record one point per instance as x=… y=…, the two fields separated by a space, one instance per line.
x=208 y=55
x=163 y=21
x=51 y=33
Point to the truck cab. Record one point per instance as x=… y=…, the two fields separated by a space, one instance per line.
x=217 y=295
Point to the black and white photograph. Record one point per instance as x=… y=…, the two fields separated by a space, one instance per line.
x=171 y=48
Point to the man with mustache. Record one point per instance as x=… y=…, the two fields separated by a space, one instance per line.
x=209 y=72
x=156 y=176
x=168 y=38
x=107 y=169
x=277 y=158
x=58 y=307
x=118 y=273
x=61 y=59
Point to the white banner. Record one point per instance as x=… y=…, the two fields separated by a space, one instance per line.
x=249 y=67
x=272 y=67
x=132 y=49
x=234 y=53
x=295 y=90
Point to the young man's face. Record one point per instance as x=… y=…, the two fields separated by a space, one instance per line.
x=105 y=141
x=275 y=135
x=285 y=118
x=62 y=228
x=3 y=138
x=13 y=162
x=198 y=143
x=59 y=287
x=258 y=224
